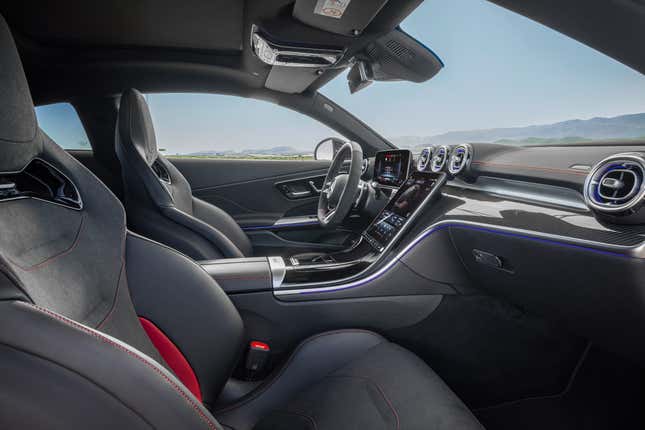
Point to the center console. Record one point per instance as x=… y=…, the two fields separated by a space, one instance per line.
x=407 y=195
x=413 y=194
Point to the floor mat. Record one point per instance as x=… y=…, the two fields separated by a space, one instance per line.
x=606 y=392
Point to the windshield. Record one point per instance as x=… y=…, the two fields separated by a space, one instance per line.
x=507 y=79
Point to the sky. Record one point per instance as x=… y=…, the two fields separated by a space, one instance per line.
x=501 y=70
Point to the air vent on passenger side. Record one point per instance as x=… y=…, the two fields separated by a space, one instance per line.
x=424 y=159
x=459 y=158
x=616 y=184
x=439 y=159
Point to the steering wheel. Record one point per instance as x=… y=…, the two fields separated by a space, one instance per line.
x=339 y=189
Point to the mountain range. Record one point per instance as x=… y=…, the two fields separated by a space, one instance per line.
x=277 y=150
x=576 y=130
x=619 y=127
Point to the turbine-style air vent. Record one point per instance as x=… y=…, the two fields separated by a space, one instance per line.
x=617 y=184
x=439 y=158
x=424 y=159
x=459 y=159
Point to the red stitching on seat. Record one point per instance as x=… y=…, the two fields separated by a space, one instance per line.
x=50 y=259
x=378 y=387
x=102 y=338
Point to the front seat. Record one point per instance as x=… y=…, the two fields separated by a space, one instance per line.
x=159 y=199
x=101 y=328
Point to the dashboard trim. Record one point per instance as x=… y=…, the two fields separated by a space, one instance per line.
x=634 y=252
x=530 y=192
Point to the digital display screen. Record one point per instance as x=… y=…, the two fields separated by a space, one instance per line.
x=396 y=213
x=392 y=167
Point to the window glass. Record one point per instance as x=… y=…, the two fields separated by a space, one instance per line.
x=61 y=122
x=218 y=126
x=506 y=79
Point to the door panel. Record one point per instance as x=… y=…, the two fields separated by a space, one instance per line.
x=258 y=193
x=247 y=189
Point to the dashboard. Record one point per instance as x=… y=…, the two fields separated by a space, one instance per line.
x=556 y=230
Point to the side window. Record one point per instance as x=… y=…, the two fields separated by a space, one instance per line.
x=61 y=122
x=219 y=126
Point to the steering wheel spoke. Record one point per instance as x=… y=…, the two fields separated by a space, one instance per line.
x=337 y=195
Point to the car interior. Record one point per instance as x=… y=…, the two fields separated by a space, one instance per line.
x=367 y=286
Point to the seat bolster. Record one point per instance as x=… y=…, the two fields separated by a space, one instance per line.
x=189 y=307
x=312 y=360
x=214 y=236
x=223 y=222
x=58 y=373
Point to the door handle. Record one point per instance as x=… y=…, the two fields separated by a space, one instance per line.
x=300 y=193
x=312 y=184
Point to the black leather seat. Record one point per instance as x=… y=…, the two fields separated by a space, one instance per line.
x=159 y=199
x=101 y=328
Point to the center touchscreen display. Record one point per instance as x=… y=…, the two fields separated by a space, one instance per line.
x=392 y=167
x=396 y=213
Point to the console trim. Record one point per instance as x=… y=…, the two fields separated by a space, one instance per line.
x=278 y=271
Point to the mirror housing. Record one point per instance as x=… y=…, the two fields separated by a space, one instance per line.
x=397 y=56
x=327 y=148
x=360 y=76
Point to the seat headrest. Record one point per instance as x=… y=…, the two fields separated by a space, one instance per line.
x=135 y=125
x=19 y=137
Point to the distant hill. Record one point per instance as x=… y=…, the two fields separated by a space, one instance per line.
x=277 y=151
x=576 y=130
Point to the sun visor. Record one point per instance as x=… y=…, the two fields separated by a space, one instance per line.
x=290 y=80
x=346 y=17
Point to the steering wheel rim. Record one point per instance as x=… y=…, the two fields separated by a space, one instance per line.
x=339 y=190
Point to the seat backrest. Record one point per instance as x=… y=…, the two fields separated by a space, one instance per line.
x=73 y=284
x=158 y=198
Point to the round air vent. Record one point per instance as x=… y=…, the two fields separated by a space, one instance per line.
x=440 y=158
x=616 y=184
x=424 y=159
x=459 y=158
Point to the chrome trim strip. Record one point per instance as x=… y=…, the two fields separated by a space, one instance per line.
x=296 y=220
x=637 y=252
x=278 y=271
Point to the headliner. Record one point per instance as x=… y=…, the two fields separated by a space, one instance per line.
x=78 y=48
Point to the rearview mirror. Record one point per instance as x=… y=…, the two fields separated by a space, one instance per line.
x=359 y=76
x=396 y=56
x=327 y=148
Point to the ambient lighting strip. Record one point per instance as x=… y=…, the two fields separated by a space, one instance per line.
x=637 y=252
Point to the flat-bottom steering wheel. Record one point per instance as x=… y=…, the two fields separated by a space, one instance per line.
x=339 y=189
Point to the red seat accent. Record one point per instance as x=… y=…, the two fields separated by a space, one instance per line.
x=173 y=356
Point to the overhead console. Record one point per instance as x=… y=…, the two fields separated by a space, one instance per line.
x=345 y=17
